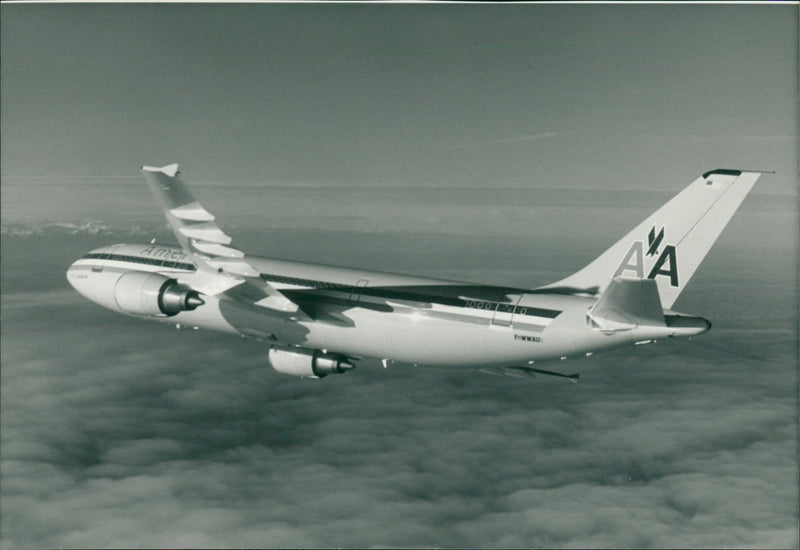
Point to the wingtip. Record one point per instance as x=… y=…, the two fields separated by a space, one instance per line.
x=170 y=170
x=730 y=172
x=723 y=172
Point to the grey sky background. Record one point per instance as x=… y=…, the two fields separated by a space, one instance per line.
x=498 y=144
x=551 y=96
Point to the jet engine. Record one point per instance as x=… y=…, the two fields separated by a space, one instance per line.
x=307 y=363
x=152 y=294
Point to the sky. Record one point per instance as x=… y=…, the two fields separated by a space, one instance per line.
x=498 y=144
x=551 y=96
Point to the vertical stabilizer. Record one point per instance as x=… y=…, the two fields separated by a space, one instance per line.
x=669 y=245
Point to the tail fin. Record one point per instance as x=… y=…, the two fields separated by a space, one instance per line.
x=670 y=244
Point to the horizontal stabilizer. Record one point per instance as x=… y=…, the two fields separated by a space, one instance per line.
x=627 y=303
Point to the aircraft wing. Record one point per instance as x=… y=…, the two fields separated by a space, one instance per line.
x=220 y=265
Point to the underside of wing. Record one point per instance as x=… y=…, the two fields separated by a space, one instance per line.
x=221 y=266
x=192 y=224
x=520 y=371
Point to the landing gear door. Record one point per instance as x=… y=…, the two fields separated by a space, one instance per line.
x=505 y=311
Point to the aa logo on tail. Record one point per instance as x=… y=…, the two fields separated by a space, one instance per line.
x=666 y=263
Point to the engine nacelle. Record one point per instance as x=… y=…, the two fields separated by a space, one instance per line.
x=307 y=363
x=152 y=294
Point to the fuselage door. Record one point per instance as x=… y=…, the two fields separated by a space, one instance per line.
x=505 y=311
x=355 y=294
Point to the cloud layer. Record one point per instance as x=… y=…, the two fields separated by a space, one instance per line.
x=118 y=432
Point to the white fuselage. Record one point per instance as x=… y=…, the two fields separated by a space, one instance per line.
x=359 y=313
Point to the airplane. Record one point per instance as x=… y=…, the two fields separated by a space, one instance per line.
x=320 y=320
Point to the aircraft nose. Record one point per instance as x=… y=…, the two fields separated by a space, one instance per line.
x=72 y=276
x=78 y=278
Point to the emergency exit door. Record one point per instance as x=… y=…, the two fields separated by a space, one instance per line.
x=505 y=312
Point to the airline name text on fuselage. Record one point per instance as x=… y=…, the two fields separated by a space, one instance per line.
x=162 y=252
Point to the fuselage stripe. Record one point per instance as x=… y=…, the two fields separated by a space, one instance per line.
x=358 y=293
x=139 y=260
x=370 y=297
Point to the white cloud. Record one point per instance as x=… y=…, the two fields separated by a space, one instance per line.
x=118 y=432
